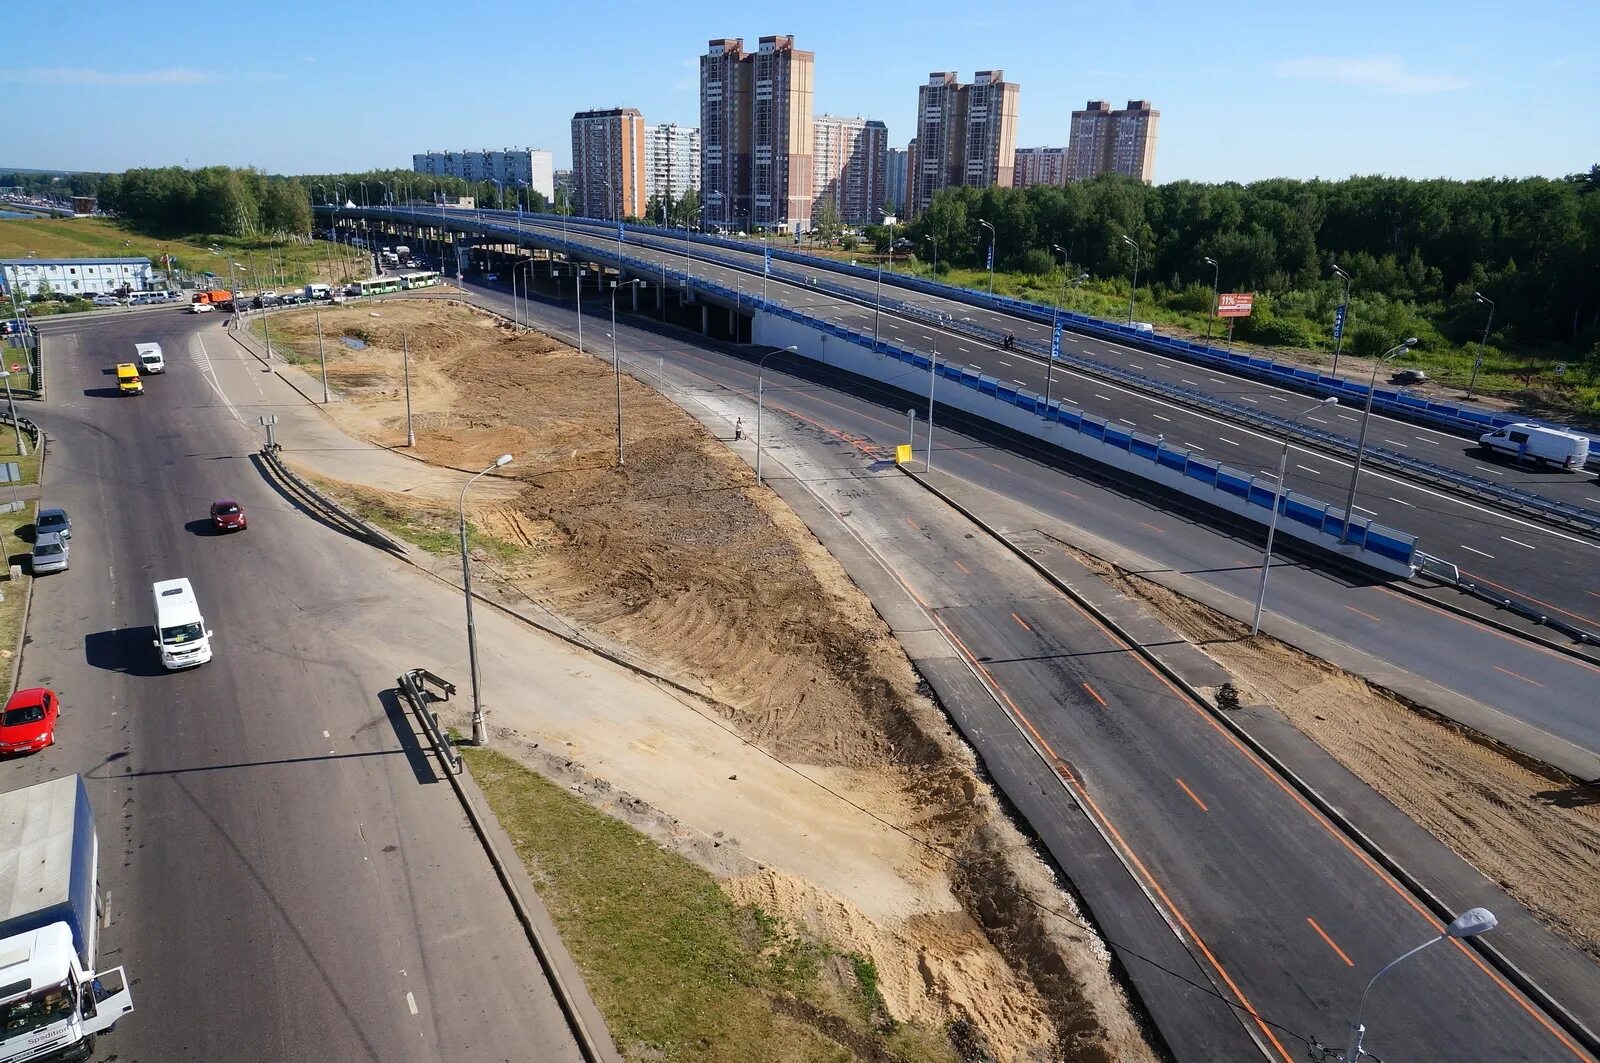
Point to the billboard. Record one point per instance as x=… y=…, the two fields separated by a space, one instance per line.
x=1234 y=304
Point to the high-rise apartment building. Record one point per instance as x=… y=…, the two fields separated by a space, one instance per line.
x=850 y=156
x=966 y=135
x=1107 y=141
x=672 y=161
x=1040 y=166
x=608 y=163
x=894 y=184
x=756 y=134
x=511 y=167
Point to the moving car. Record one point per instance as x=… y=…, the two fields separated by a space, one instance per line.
x=53 y=521
x=228 y=515
x=150 y=358
x=1408 y=376
x=50 y=554
x=182 y=638
x=28 y=723
x=1546 y=446
x=128 y=381
x=201 y=308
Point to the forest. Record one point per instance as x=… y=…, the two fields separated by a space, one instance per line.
x=1418 y=252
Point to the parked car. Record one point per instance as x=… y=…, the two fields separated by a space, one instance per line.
x=28 y=723
x=50 y=554
x=1408 y=376
x=53 y=520
x=228 y=515
x=103 y=300
x=201 y=308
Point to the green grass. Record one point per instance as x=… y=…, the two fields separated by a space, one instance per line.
x=435 y=531
x=681 y=972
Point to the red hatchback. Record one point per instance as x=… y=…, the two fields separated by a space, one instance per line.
x=29 y=721
x=228 y=515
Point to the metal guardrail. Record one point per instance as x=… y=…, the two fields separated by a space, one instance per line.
x=269 y=454
x=1448 y=574
x=414 y=686
x=24 y=423
x=1383 y=542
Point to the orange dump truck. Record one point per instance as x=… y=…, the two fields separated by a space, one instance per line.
x=213 y=295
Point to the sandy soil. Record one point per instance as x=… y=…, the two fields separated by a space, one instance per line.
x=679 y=557
x=1534 y=833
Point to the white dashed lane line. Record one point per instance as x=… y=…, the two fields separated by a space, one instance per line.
x=1192 y=446
x=1158 y=417
x=1247 y=398
x=1191 y=383
x=1228 y=441
x=1518 y=542
x=1125 y=421
x=1345 y=417
x=1309 y=469
x=1104 y=398
x=1480 y=553
x=1403 y=502
x=1397 y=443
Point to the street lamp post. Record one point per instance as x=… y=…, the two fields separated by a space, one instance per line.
x=616 y=361
x=480 y=731
x=1477 y=362
x=1470 y=923
x=1216 y=280
x=761 y=399
x=22 y=448
x=992 y=239
x=1361 y=441
x=1277 y=504
x=1344 y=318
x=933 y=377
x=322 y=353
x=405 y=362
x=1133 y=289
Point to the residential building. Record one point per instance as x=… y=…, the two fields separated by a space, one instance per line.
x=511 y=167
x=563 y=181
x=849 y=160
x=894 y=183
x=74 y=276
x=1107 y=141
x=966 y=135
x=1040 y=166
x=608 y=163
x=672 y=161
x=756 y=134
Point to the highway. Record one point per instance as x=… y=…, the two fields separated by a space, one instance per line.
x=286 y=877
x=1558 y=570
x=1286 y=916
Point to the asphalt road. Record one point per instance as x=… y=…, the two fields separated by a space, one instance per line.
x=286 y=877
x=1386 y=634
x=1558 y=570
x=1283 y=913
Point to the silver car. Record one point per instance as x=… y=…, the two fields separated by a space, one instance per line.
x=50 y=553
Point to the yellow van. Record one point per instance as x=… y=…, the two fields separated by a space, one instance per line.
x=128 y=381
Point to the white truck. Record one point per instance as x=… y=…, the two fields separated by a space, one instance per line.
x=1541 y=445
x=148 y=357
x=52 y=999
x=318 y=291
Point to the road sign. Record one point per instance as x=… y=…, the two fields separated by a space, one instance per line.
x=1235 y=304
x=9 y=473
x=767 y=265
x=620 y=232
x=991 y=256
x=1338 y=322
x=16 y=367
x=902 y=453
x=1055 y=343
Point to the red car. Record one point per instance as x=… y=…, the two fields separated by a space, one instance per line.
x=29 y=721
x=228 y=515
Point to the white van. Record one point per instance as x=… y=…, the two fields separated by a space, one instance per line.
x=182 y=638
x=148 y=358
x=318 y=291
x=1546 y=446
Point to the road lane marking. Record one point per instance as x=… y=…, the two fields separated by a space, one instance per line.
x=1153 y=528
x=1280 y=398
x=1192 y=795
x=1323 y=934
x=326 y=735
x=1186 y=380
x=1491 y=472
x=962 y=567
x=1514 y=675
x=1192 y=446
x=1519 y=542
x=411 y=1002
x=1228 y=441
x=1023 y=623
x=1107 y=398
x=1247 y=398
x=1096 y=695
x=1369 y=616
x=1397 y=443
x=1368 y=512
x=1158 y=417
x=1317 y=419
x=1125 y=421
x=1069 y=494
x=1014 y=380
x=1309 y=469
x=1425 y=439
x=1402 y=501
x=1002 y=361
x=1136 y=365
x=967 y=350
x=1480 y=553
x=1345 y=417
x=1214 y=380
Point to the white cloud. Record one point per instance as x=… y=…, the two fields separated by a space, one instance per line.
x=1381 y=73
x=66 y=75
x=689 y=77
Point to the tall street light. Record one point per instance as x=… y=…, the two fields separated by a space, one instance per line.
x=480 y=731
x=1361 y=441
x=686 y=219
x=1216 y=280
x=1133 y=288
x=22 y=448
x=1279 y=495
x=933 y=377
x=616 y=361
x=992 y=238
x=760 y=400
x=1344 y=317
x=1477 y=363
x=1468 y=924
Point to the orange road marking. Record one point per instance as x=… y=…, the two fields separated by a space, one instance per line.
x=1514 y=675
x=1531 y=598
x=1447 y=614
x=1093 y=694
x=1152 y=527
x=1323 y=934
x=962 y=567
x=1021 y=621
x=913 y=524
x=1193 y=796
x=1358 y=612
x=1069 y=494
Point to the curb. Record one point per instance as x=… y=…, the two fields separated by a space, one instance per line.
x=1568 y=1022
x=27 y=598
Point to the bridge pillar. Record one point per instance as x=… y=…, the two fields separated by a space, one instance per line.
x=636 y=288
x=705 y=319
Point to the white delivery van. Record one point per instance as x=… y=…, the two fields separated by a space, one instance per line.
x=148 y=358
x=182 y=638
x=318 y=291
x=1546 y=446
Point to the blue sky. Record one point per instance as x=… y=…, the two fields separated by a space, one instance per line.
x=1247 y=90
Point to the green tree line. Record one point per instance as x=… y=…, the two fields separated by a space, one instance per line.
x=1417 y=251
x=376 y=188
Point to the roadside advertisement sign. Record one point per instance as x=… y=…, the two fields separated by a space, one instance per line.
x=1235 y=304
x=1338 y=322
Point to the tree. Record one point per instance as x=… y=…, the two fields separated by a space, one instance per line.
x=825 y=222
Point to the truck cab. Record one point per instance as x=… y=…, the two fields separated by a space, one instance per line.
x=52 y=1008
